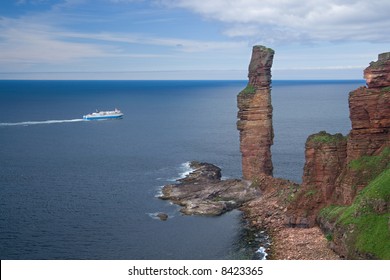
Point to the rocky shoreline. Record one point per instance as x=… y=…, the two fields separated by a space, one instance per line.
x=269 y=212
x=203 y=192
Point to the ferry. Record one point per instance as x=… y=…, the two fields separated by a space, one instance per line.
x=104 y=115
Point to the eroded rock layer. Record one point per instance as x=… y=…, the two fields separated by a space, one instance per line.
x=255 y=116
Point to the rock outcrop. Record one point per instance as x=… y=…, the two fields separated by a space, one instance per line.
x=377 y=75
x=255 y=116
x=202 y=192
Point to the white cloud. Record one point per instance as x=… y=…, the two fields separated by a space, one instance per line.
x=332 y=20
x=27 y=43
x=178 y=44
x=61 y=38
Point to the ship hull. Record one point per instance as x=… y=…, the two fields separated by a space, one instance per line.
x=91 y=118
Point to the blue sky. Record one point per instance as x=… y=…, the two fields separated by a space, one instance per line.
x=189 y=39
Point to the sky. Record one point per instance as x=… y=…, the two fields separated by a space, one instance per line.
x=189 y=39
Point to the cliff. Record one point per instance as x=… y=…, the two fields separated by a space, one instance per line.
x=325 y=159
x=344 y=171
x=361 y=230
x=255 y=116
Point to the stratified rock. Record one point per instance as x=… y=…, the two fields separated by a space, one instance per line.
x=377 y=75
x=370 y=111
x=202 y=192
x=260 y=67
x=370 y=118
x=328 y=176
x=325 y=157
x=255 y=116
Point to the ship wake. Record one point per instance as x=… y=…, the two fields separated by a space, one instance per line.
x=27 y=123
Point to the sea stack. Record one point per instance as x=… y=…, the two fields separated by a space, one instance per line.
x=255 y=116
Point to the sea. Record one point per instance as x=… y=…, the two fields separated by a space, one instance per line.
x=76 y=189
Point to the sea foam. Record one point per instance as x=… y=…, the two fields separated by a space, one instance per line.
x=262 y=253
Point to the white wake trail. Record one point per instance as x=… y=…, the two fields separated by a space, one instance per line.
x=41 y=122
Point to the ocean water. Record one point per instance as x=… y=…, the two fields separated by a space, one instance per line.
x=74 y=189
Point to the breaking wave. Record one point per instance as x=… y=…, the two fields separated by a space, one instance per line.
x=262 y=253
x=183 y=170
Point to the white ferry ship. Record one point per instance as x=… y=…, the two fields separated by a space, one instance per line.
x=103 y=115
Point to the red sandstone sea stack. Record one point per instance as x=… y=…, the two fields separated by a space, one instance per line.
x=255 y=116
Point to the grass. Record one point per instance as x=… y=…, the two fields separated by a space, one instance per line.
x=385 y=89
x=372 y=235
x=311 y=192
x=332 y=212
x=248 y=90
x=369 y=167
x=371 y=162
x=324 y=137
x=329 y=237
x=264 y=48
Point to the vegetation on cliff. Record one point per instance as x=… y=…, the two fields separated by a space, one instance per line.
x=364 y=225
x=263 y=48
x=369 y=167
x=250 y=89
x=324 y=137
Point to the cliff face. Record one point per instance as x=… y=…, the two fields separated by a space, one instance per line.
x=370 y=117
x=255 y=116
x=325 y=159
x=370 y=110
x=338 y=170
x=329 y=173
x=377 y=75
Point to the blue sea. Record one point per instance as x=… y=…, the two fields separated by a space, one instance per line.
x=75 y=189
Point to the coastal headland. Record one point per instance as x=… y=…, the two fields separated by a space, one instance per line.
x=342 y=208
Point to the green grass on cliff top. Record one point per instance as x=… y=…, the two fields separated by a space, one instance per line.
x=248 y=90
x=372 y=234
x=264 y=48
x=324 y=137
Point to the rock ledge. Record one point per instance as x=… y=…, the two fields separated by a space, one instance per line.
x=202 y=192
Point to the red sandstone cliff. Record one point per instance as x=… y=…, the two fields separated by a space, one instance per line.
x=328 y=174
x=255 y=116
x=325 y=159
